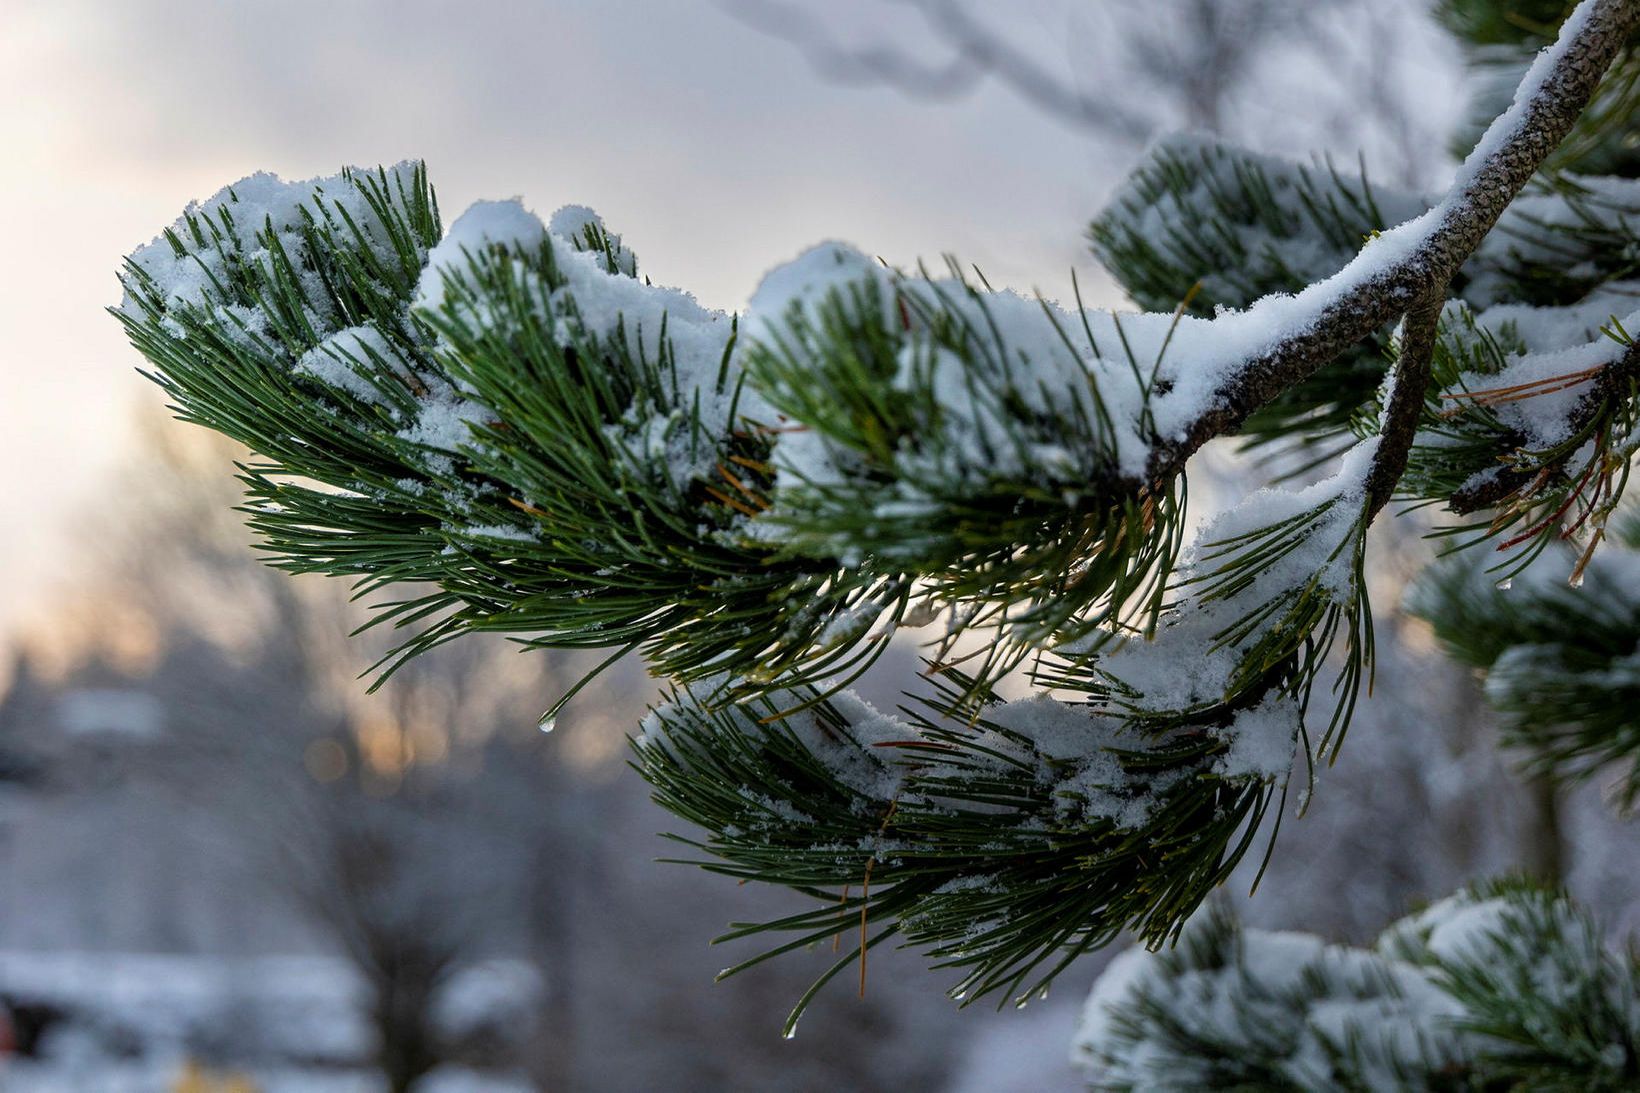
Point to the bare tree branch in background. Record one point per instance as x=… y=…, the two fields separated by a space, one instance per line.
x=1188 y=60
x=977 y=53
x=1196 y=52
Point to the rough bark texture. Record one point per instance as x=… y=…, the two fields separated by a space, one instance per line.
x=1612 y=383
x=1484 y=189
x=1406 y=403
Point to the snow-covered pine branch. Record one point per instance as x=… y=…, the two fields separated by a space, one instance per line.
x=1419 y=258
x=507 y=417
x=1502 y=986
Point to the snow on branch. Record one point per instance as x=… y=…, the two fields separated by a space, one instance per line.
x=1502 y=986
x=508 y=417
x=1407 y=263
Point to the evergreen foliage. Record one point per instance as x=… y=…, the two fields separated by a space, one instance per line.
x=1221 y=227
x=506 y=421
x=1504 y=986
x=1560 y=661
x=1499 y=38
x=990 y=837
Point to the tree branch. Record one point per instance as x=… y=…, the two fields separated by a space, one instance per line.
x=1609 y=383
x=1406 y=402
x=1370 y=292
x=977 y=53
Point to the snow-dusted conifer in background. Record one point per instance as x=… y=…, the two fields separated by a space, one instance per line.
x=1562 y=662
x=1504 y=986
x=508 y=418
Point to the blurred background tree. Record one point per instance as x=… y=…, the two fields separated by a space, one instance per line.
x=1432 y=764
x=219 y=786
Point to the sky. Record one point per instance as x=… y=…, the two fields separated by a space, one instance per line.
x=715 y=149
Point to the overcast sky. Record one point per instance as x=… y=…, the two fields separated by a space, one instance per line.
x=716 y=150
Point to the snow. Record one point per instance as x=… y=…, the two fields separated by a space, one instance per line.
x=1511 y=122
x=1218 y=349
x=1087 y=779
x=787 y=300
x=135 y=1019
x=444 y=423
x=1020 y=354
x=1548 y=417
x=1113 y=994
x=1558 y=352
x=849 y=625
x=1056 y=729
x=1531 y=946
x=1308 y=221
x=96 y=1073
x=485 y=224
x=1072 y=749
x=346 y=358
x=799 y=287
x=1577 y=224
x=1458 y=928
x=876 y=734
x=1548 y=329
x=1140 y=379
x=1262 y=740
x=852 y=756
x=241 y=212
x=489 y=992
x=501 y=531
x=121 y=711
x=1289 y=1000
x=1191 y=663
x=860 y=754
x=306 y=1005
x=611 y=307
x=571 y=223
x=257 y=214
x=1522 y=670
x=1538 y=946
x=594 y=304
x=1150 y=376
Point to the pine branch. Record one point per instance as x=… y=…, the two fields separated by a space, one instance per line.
x=1404 y=409
x=1562 y=239
x=1499 y=38
x=1005 y=844
x=1408 y=263
x=509 y=419
x=1609 y=387
x=1220 y=227
x=1501 y=987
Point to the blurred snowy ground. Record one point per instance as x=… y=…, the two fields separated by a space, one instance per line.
x=139 y=1023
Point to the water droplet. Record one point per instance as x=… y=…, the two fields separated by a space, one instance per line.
x=1577 y=580
x=547 y=723
x=789 y=1032
x=1506 y=584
